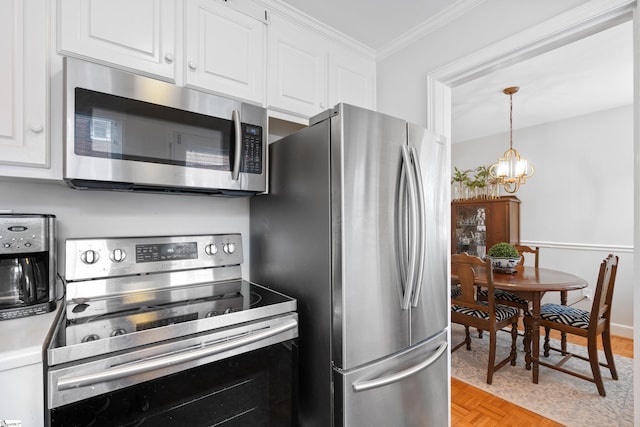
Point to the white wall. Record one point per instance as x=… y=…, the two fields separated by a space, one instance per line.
x=81 y=213
x=579 y=204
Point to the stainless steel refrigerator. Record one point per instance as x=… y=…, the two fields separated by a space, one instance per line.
x=355 y=228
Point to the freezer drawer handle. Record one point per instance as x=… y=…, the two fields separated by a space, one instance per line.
x=171 y=360
x=399 y=376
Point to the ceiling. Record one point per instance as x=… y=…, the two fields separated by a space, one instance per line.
x=591 y=74
x=373 y=23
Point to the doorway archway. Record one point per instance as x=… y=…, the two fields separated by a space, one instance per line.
x=578 y=23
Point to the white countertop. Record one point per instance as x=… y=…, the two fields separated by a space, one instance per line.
x=22 y=340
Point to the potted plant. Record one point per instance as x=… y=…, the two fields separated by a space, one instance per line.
x=504 y=257
x=459 y=179
x=481 y=180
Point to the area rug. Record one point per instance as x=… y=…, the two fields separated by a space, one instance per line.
x=563 y=398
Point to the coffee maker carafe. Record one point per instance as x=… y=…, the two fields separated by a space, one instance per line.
x=27 y=265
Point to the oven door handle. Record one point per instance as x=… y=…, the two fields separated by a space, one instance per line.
x=173 y=359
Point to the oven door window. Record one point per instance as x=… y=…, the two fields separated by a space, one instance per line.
x=252 y=389
x=113 y=127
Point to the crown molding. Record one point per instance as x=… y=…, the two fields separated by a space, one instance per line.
x=308 y=22
x=439 y=20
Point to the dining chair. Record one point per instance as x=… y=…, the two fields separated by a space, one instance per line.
x=510 y=299
x=588 y=324
x=468 y=311
x=524 y=250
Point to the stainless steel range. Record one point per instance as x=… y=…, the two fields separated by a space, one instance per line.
x=164 y=331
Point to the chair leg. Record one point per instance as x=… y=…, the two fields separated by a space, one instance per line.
x=480 y=333
x=514 y=338
x=595 y=366
x=547 y=344
x=467 y=337
x=608 y=352
x=492 y=356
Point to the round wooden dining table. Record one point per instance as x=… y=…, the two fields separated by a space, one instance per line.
x=531 y=283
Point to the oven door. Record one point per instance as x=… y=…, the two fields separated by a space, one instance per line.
x=244 y=375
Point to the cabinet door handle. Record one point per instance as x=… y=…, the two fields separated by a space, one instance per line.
x=168 y=58
x=193 y=66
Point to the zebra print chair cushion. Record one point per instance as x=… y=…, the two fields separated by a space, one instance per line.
x=565 y=315
x=502 y=311
x=456 y=291
x=504 y=295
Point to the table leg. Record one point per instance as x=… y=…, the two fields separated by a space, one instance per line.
x=563 y=335
x=535 y=338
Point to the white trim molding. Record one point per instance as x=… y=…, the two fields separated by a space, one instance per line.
x=580 y=246
x=418 y=32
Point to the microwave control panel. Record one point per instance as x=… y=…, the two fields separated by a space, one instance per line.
x=251 y=149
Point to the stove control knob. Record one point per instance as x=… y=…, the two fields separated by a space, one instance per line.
x=89 y=256
x=211 y=249
x=117 y=332
x=91 y=337
x=229 y=248
x=118 y=255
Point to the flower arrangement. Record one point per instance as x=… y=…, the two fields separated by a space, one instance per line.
x=478 y=186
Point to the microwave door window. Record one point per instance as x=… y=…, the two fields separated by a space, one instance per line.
x=99 y=134
x=112 y=127
x=200 y=150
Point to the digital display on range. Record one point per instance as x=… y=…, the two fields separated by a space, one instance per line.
x=166 y=252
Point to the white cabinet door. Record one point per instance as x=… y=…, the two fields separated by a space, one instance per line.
x=138 y=35
x=23 y=83
x=352 y=78
x=297 y=68
x=225 y=50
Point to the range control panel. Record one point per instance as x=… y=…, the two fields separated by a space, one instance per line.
x=109 y=257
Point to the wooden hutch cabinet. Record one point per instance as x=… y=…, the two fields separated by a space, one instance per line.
x=478 y=224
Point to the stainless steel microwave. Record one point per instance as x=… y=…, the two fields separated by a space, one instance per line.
x=133 y=133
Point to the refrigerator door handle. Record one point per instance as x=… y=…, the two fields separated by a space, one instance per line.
x=399 y=376
x=413 y=229
x=401 y=230
x=421 y=228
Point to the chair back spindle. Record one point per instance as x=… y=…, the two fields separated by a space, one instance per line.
x=603 y=296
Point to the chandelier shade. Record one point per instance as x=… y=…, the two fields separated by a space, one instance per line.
x=511 y=170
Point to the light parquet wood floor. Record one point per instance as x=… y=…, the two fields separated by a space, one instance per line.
x=472 y=407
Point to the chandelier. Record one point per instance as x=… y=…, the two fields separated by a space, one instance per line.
x=511 y=169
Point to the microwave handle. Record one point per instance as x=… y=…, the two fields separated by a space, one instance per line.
x=235 y=172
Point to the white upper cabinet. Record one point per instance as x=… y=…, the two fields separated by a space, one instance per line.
x=225 y=49
x=23 y=84
x=138 y=35
x=352 y=77
x=297 y=68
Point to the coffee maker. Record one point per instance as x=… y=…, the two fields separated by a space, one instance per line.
x=27 y=265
